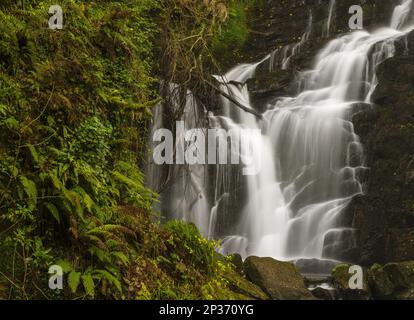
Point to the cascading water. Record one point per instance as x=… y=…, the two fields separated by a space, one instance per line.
x=311 y=160
x=281 y=57
x=332 y=4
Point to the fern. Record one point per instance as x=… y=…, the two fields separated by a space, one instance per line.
x=53 y=211
x=104 y=274
x=65 y=265
x=74 y=280
x=30 y=190
x=34 y=153
x=88 y=285
x=121 y=257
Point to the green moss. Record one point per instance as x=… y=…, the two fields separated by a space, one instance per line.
x=245 y=288
x=280 y=280
x=235 y=33
x=341 y=275
x=380 y=282
x=401 y=274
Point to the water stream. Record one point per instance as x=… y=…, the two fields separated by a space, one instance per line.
x=312 y=159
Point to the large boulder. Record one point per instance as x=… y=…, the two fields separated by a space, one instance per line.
x=380 y=283
x=401 y=275
x=240 y=285
x=315 y=266
x=324 y=294
x=341 y=277
x=237 y=260
x=280 y=280
x=393 y=281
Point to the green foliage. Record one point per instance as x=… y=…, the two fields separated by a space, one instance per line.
x=176 y=262
x=74 y=105
x=200 y=252
x=186 y=41
x=234 y=34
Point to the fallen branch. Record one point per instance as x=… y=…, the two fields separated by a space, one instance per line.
x=237 y=103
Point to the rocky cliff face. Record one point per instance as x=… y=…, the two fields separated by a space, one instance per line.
x=276 y=23
x=298 y=29
x=384 y=217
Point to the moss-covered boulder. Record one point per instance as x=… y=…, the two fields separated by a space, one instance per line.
x=237 y=260
x=393 y=281
x=401 y=274
x=323 y=294
x=379 y=282
x=280 y=280
x=341 y=276
x=240 y=285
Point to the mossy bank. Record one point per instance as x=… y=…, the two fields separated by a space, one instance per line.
x=74 y=108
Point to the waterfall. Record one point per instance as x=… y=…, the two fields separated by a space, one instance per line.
x=182 y=190
x=330 y=17
x=312 y=159
x=401 y=14
x=281 y=57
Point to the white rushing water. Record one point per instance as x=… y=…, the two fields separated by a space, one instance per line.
x=311 y=160
x=332 y=4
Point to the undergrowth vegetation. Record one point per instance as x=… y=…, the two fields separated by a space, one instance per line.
x=74 y=108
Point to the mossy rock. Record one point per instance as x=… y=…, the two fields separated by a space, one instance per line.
x=322 y=294
x=240 y=285
x=341 y=277
x=380 y=283
x=401 y=275
x=393 y=281
x=405 y=295
x=237 y=260
x=280 y=280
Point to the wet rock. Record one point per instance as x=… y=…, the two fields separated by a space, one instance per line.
x=237 y=260
x=380 y=283
x=340 y=245
x=323 y=294
x=240 y=285
x=401 y=275
x=275 y=24
x=385 y=215
x=393 y=281
x=315 y=266
x=280 y=280
x=400 y=244
x=341 y=277
x=265 y=86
